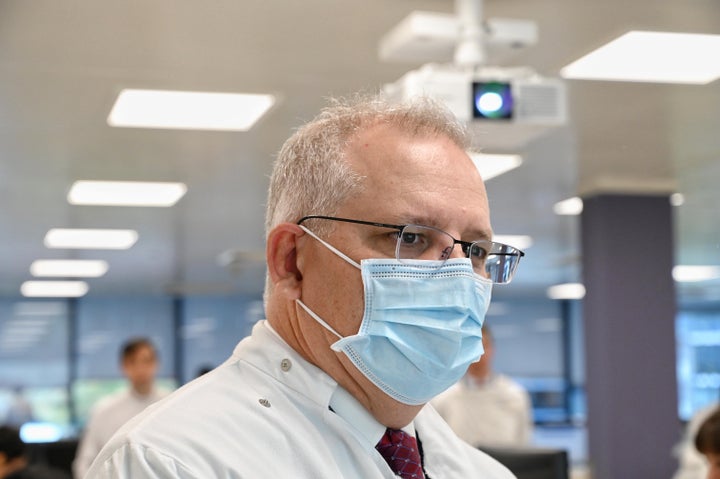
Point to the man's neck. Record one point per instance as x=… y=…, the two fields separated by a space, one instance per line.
x=142 y=391
x=382 y=407
x=479 y=379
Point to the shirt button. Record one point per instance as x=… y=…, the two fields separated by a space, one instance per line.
x=285 y=365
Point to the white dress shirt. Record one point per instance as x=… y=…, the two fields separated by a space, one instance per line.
x=266 y=412
x=496 y=412
x=106 y=417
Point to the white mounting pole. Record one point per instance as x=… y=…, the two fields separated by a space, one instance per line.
x=470 y=50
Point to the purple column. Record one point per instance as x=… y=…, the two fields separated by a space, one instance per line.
x=629 y=322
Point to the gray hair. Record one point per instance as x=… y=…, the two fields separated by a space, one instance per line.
x=311 y=175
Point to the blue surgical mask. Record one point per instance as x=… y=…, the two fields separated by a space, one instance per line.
x=422 y=325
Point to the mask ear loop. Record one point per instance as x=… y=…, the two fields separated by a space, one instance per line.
x=318 y=318
x=331 y=247
x=342 y=256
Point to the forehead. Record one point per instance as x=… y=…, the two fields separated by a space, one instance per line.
x=416 y=178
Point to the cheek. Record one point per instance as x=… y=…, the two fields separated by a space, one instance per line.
x=333 y=289
x=351 y=306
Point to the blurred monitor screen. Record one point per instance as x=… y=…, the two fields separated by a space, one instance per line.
x=531 y=463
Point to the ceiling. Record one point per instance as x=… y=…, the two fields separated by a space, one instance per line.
x=62 y=65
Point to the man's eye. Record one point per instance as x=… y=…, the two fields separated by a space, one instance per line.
x=410 y=238
x=475 y=251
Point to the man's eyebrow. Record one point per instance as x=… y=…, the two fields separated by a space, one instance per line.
x=418 y=220
x=478 y=235
x=472 y=235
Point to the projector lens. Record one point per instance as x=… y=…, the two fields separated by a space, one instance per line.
x=492 y=100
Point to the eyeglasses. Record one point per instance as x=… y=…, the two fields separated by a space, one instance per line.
x=495 y=261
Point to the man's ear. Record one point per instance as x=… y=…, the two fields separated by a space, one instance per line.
x=282 y=259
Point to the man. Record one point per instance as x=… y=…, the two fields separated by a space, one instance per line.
x=707 y=441
x=14 y=462
x=486 y=408
x=691 y=463
x=346 y=260
x=139 y=363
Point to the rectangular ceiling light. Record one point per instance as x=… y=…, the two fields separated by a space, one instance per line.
x=566 y=291
x=570 y=206
x=125 y=193
x=659 y=57
x=54 y=289
x=491 y=166
x=186 y=110
x=688 y=273
x=90 y=238
x=69 y=268
x=521 y=242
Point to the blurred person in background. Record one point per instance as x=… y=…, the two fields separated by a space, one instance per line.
x=707 y=441
x=486 y=408
x=14 y=461
x=692 y=465
x=139 y=363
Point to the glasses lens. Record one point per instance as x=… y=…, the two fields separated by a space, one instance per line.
x=423 y=242
x=501 y=263
x=495 y=261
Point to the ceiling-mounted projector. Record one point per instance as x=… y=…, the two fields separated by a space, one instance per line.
x=513 y=96
x=504 y=107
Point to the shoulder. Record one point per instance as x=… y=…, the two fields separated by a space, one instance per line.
x=108 y=403
x=131 y=459
x=218 y=411
x=160 y=393
x=510 y=386
x=447 y=395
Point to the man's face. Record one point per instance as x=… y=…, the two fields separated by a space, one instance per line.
x=714 y=463
x=482 y=369
x=140 y=368
x=417 y=180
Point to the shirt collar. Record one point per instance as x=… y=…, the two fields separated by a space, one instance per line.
x=347 y=407
x=266 y=350
x=269 y=351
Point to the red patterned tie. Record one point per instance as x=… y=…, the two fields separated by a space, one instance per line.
x=401 y=453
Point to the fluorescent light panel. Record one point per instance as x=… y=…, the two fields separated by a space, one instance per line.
x=74 y=268
x=54 y=289
x=519 y=241
x=90 y=238
x=570 y=206
x=125 y=193
x=491 y=166
x=187 y=110
x=566 y=291
x=687 y=273
x=660 y=57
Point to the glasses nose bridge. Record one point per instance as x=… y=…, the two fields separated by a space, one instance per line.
x=456 y=250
